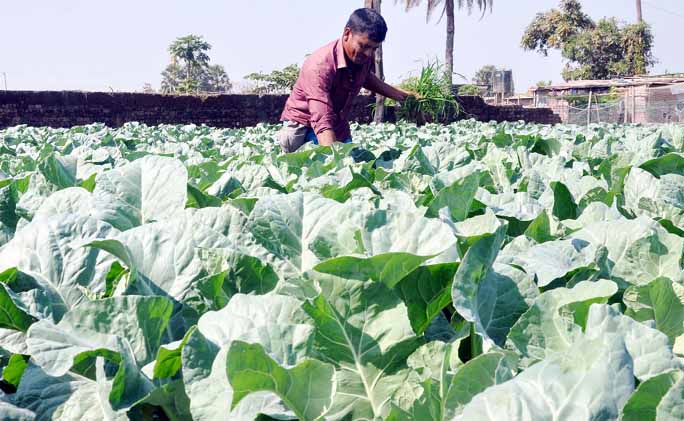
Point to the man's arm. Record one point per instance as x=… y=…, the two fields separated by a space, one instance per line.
x=317 y=83
x=326 y=137
x=374 y=84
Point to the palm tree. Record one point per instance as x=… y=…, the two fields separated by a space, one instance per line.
x=215 y=80
x=192 y=50
x=172 y=78
x=448 y=8
x=379 y=68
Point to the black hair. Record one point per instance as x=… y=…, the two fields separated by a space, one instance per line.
x=368 y=21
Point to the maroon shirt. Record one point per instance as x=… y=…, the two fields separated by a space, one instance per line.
x=325 y=89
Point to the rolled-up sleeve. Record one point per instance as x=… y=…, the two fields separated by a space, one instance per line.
x=317 y=87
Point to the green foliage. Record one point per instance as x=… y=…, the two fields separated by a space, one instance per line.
x=469 y=90
x=593 y=50
x=208 y=79
x=190 y=71
x=609 y=51
x=276 y=82
x=439 y=272
x=440 y=6
x=582 y=100
x=214 y=79
x=191 y=49
x=434 y=100
x=552 y=29
x=485 y=76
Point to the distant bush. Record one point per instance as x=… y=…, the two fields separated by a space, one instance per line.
x=469 y=90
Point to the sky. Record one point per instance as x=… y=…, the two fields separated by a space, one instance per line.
x=104 y=45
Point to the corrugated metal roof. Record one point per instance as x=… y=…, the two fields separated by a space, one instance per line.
x=624 y=82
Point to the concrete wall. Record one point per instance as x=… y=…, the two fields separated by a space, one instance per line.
x=66 y=109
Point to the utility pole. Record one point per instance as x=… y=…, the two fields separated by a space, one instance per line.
x=4 y=78
x=641 y=68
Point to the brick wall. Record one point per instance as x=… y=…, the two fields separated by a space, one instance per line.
x=66 y=109
x=477 y=108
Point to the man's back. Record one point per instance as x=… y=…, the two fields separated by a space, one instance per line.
x=324 y=91
x=318 y=107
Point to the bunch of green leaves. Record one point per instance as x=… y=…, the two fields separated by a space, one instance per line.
x=434 y=99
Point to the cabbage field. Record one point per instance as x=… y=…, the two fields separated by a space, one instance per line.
x=476 y=271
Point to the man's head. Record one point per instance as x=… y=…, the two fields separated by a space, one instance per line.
x=365 y=31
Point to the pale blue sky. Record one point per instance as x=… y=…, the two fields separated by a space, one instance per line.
x=97 y=44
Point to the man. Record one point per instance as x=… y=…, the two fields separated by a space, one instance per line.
x=318 y=108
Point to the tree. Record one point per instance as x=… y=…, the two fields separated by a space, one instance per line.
x=190 y=71
x=210 y=79
x=214 y=79
x=551 y=30
x=379 y=65
x=592 y=50
x=485 y=77
x=192 y=49
x=448 y=8
x=276 y=82
x=172 y=78
x=638 y=45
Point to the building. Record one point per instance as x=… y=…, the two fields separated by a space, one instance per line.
x=642 y=99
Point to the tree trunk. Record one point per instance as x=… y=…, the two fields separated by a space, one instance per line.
x=449 y=54
x=379 y=68
x=380 y=73
x=640 y=17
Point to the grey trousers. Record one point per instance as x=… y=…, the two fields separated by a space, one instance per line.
x=292 y=136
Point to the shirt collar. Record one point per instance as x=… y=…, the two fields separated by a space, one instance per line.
x=341 y=59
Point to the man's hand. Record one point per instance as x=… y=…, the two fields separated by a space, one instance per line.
x=403 y=95
x=409 y=94
x=326 y=138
